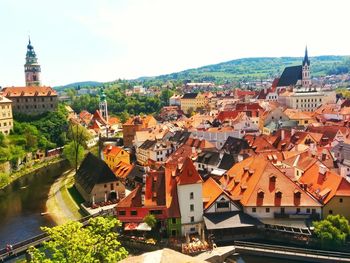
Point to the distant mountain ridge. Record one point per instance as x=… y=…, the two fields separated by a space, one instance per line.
x=81 y=84
x=242 y=70
x=252 y=69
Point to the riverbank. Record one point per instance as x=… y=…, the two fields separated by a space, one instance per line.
x=60 y=205
x=29 y=169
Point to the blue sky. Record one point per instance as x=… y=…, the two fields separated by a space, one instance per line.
x=104 y=40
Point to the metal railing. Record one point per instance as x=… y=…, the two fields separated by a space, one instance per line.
x=301 y=252
x=22 y=246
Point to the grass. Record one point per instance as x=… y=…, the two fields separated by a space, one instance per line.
x=78 y=199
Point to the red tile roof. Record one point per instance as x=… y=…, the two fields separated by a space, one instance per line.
x=258 y=183
x=112 y=150
x=324 y=186
x=227 y=115
x=188 y=173
x=32 y=91
x=122 y=169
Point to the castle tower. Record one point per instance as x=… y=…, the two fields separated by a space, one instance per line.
x=306 y=79
x=32 y=68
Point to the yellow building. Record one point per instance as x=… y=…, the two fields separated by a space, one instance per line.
x=6 y=119
x=193 y=101
x=113 y=155
x=303 y=118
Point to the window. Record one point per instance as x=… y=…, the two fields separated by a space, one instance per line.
x=173 y=232
x=173 y=221
x=313 y=210
x=330 y=212
x=282 y=210
x=298 y=210
x=112 y=186
x=191 y=195
x=42 y=99
x=193 y=229
x=223 y=204
x=133 y=213
x=122 y=213
x=192 y=219
x=254 y=209
x=267 y=209
x=191 y=207
x=341 y=200
x=308 y=210
x=156 y=212
x=105 y=186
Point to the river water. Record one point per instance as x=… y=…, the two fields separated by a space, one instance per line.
x=22 y=203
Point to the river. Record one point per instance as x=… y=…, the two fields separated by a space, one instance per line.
x=22 y=202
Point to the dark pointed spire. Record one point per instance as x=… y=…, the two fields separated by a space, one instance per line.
x=306 y=60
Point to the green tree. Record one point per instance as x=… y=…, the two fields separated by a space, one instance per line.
x=71 y=242
x=74 y=152
x=333 y=230
x=165 y=96
x=150 y=220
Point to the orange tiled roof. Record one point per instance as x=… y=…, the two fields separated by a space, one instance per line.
x=32 y=91
x=188 y=173
x=122 y=169
x=259 y=183
x=112 y=150
x=323 y=186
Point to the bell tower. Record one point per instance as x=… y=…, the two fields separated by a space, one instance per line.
x=31 y=67
x=306 y=78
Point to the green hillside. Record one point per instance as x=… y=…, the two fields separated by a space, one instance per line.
x=250 y=69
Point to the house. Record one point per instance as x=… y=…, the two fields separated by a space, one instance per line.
x=175 y=100
x=275 y=115
x=329 y=188
x=266 y=192
x=113 y=155
x=212 y=162
x=302 y=118
x=96 y=182
x=134 y=124
x=223 y=215
x=6 y=118
x=189 y=192
x=192 y=102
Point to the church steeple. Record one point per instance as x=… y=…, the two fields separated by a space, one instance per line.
x=31 y=67
x=306 y=60
x=306 y=78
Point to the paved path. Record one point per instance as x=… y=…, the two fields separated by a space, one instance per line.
x=56 y=206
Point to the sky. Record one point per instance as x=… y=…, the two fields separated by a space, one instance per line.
x=103 y=40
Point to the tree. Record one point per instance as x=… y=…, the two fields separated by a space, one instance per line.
x=71 y=242
x=74 y=152
x=165 y=95
x=75 y=149
x=333 y=230
x=150 y=220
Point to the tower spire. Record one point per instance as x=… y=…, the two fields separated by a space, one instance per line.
x=31 y=67
x=306 y=58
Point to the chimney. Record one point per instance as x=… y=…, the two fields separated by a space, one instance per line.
x=193 y=150
x=324 y=154
x=282 y=134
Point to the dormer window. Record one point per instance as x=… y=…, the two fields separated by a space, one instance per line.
x=261 y=194
x=278 y=194
x=272 y=179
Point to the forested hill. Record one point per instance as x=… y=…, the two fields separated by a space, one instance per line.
x=248 y=69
